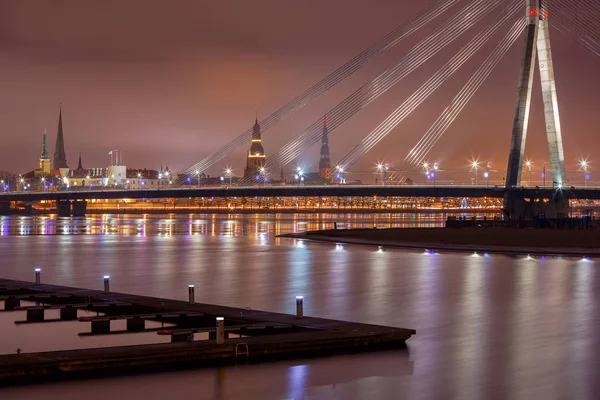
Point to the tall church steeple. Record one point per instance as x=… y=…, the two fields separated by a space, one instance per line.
x=60 y=157
x=256 y=155
x=45 y=158
x=324 y=162
x=79 y=165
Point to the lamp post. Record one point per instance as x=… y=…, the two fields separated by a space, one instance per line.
x=475 y=167
x=229 y=172
x=544 y=174
x=263 y=171
x=198 y=177
x=529 y=164
x=436 y=167
x=340 y=171
x=426 y=169
x=299 y=176
x=583 y=166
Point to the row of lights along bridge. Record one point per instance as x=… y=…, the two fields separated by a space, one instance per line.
x=383 y=170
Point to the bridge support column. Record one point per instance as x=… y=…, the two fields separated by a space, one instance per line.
x=63 y=208
x=79 y=207
x=519 y=208
x=4 y=207
x=537 y=43
x=521 y=121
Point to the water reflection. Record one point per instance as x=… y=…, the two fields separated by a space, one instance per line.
x=232 y=225
x=488 y=326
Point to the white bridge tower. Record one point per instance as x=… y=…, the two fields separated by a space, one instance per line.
x=537 y=42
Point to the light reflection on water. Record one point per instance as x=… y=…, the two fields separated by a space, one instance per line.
x=488 y=326
x=214 y=224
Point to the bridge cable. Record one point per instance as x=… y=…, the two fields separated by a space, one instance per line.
x=579 y=25
x=418 y=154
x=367 y=93
x=447 y=71
x=353 y=65
x=379 y=85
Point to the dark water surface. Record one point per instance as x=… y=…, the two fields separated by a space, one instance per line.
x=488 y=327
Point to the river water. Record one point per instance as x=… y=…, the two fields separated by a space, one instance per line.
x=488 y=326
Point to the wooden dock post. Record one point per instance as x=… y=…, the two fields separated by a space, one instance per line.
x=299 y=306
x=220 y=330
x=191 y=294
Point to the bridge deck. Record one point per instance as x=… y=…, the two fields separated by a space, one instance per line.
x=301 y=337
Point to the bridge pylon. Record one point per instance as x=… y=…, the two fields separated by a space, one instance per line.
x=537 y=43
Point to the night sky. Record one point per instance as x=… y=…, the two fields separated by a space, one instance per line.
x=171 y=81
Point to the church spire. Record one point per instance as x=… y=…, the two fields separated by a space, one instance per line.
x=45 y=147
x=44 y=158
x=60 y=157
x=79 y=165
x=324 y=162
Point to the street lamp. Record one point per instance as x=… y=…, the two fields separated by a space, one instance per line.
x=299 y=175
x=229 y=172
x=529 y=164
x=436 y=167
x=475 y=167
x=487 y=173
x=544 y=174
x=583 y=166
x=426 y=169
x=340 y=173
x=263 y=171
x=198 y=177
x=383 y=169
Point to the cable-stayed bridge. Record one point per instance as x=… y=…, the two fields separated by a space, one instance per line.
x=447 y=21
x=495 y=24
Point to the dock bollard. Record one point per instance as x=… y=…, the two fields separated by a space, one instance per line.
x=299 y=306
x=220 y=330
x=191 y=294
x=106 y=283
x=38 y=272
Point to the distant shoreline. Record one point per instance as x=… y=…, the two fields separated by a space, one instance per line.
x=485 y=240
x=269 y=211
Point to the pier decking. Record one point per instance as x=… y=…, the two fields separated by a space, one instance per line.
x=258 y=334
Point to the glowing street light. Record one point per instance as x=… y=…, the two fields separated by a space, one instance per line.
x=340 y=171
x=475 y=167
x=436 y=167
x=584 y=166
x=229 y=172
x=529 y=164
x=383 y=169
x=263 y=173
x=299 y=175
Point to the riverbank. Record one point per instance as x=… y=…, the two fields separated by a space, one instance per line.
x=490 y=240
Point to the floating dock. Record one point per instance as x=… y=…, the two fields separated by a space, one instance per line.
x=234 y=334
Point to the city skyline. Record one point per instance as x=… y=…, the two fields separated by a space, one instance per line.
x=176 y=97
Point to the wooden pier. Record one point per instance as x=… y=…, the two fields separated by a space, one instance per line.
x=248 y=335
